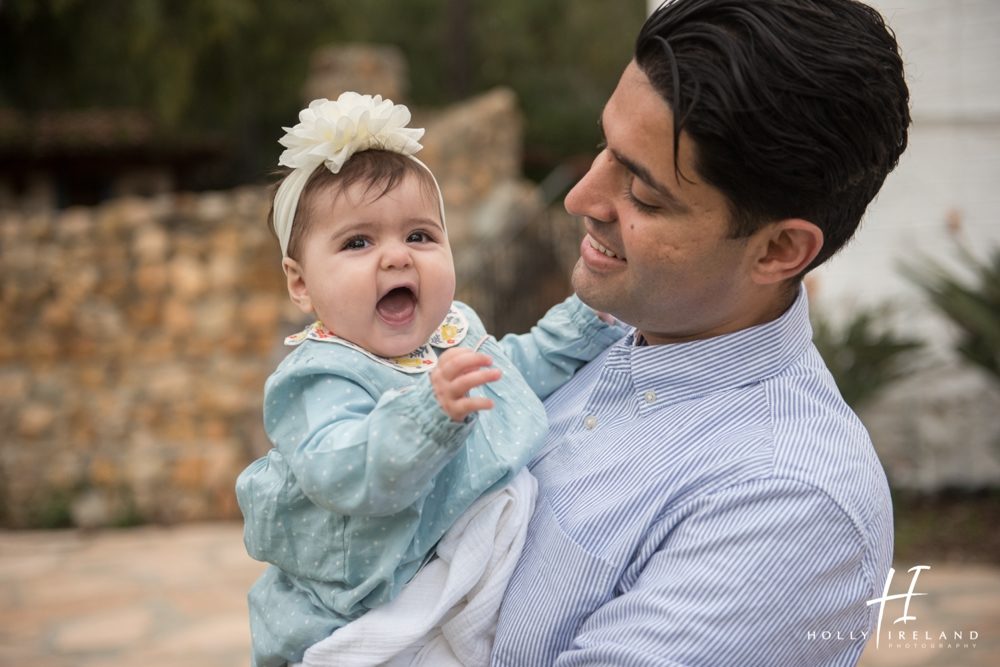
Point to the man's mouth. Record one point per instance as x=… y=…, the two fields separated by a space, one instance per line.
x=596 y=245
x=397 y=305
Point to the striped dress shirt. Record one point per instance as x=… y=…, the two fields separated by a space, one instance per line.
x=704 y=503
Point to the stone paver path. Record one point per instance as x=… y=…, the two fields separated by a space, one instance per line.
x=143 y=597
x=172 y=597
x=957 y=620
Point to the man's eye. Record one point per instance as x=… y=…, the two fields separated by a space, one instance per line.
x=640 y=205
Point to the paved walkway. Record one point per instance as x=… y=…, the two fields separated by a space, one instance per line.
x=173 y=597
x=143 y=597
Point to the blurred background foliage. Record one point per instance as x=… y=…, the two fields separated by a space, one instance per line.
x=973 y=309
x=863 y=355
x=235 y=68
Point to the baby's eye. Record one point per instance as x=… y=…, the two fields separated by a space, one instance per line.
x=418 y=237
x=356 y=243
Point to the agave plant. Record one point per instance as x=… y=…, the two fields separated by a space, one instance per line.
x=863 y=355
x=973 y=308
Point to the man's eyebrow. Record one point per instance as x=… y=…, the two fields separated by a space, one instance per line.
x=644 y=175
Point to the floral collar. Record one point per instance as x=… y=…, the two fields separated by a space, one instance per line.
x=450 y=333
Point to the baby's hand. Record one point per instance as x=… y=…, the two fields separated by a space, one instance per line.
x=458 y=370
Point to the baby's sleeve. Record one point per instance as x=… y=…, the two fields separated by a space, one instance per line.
x=358 y=454
x=567 y=337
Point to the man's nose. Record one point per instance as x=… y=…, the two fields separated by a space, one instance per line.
x=592 y=196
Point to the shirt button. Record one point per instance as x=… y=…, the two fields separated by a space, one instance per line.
x=590 y=422
x=650 y=396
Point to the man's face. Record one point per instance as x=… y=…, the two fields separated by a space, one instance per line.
x=377 y=272
x=658 y=253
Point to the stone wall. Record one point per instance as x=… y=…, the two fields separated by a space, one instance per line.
x=135 y=337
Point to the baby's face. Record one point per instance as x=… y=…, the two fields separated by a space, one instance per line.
x=378 y=272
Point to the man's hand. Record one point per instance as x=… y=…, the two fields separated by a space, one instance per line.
x=459 y=370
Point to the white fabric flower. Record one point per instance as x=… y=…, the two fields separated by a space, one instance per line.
x=331 y=132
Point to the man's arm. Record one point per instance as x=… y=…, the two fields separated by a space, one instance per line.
x=753 y=575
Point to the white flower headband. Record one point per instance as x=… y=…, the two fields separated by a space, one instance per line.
x=330 y=133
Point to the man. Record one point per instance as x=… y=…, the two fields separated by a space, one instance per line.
x=705 y=495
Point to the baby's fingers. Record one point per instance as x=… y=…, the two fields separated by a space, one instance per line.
x=459 y=361
x=469 y=404
x=460 y=370
x=462 y=384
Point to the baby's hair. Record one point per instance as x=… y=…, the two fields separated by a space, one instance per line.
x=380 y=171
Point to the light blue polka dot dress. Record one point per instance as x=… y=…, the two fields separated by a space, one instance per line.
x=367 y=472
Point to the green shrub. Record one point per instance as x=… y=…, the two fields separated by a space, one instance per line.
x=973 y=308
x=863 y=355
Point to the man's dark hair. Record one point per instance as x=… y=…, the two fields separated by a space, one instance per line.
x=379 y=170
x=797 y=108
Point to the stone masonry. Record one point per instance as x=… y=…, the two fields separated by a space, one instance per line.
x=133 y=339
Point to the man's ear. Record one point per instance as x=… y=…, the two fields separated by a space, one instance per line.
x=296 y=282
x=787 y=247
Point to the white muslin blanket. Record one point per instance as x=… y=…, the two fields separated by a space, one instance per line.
x=446 y=616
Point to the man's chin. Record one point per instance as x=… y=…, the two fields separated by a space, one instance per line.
x=584 y=287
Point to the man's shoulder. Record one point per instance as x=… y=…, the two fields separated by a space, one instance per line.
x=792 y=428
x=820 y=441
x=809 y=418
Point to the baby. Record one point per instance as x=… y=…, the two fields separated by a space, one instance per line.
x=396 y=410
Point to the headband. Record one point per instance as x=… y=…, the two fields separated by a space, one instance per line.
x=330 y=133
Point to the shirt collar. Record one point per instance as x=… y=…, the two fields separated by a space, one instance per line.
x=679 y=371
x=449 y=333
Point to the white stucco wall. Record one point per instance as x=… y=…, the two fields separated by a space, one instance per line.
x=951 y=169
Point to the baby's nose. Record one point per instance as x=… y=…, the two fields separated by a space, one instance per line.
x=396 y=256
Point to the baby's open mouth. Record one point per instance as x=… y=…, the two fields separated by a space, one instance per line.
x=397 y=306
